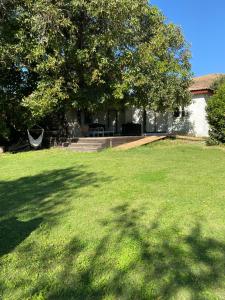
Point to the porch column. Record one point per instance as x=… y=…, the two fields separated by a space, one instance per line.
x=116 y=121
x=144 y=121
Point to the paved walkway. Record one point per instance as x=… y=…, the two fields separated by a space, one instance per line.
x=141 y=142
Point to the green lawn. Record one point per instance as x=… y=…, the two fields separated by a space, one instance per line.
x=148 y=223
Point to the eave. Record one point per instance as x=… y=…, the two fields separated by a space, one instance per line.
x=202 y=92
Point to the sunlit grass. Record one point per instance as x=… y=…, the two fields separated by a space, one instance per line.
x=147 y=223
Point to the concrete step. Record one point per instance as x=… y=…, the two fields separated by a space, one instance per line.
x=85 y=147
x=86 y=144
x=95 y=144
x=92 y=140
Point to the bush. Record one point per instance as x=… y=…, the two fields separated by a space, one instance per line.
x=216 y=116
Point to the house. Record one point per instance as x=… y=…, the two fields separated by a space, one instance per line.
x=191 y=120
x=201 y=89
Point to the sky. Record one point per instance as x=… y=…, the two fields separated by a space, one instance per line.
x=203 y=24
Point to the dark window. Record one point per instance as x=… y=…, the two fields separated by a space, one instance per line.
x=176 y=113
x=87 y=117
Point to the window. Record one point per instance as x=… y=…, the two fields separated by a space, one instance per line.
x=180 y=112
x=176 y=112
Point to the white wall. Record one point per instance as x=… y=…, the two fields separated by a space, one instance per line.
x=193 y=123
x=198 y=116
x=158 y=121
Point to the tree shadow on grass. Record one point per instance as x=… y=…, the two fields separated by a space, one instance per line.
x=137 y=261
x=29 y=201
x=14 y=231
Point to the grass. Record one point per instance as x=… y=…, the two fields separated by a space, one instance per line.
x=147 y=223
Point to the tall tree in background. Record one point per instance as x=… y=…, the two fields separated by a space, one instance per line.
x=11 y=90
x=216 y=113
x=90 y=54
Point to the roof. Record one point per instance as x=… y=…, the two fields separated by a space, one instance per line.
x=204 y=83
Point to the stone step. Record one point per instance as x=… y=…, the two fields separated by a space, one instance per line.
x=92 y=140
x=83 y=150
x=85 y=147
x=86 y=144
x=94 y=144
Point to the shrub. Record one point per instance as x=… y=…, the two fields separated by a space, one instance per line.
x=216 y=116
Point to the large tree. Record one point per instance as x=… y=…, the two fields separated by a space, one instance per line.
x=90 y=54
x=11 y=90
x=216 y=113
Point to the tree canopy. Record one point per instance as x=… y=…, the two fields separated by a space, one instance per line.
x=216 y=113
x=87 y=54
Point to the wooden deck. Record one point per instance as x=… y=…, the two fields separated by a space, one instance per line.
x=141 y=142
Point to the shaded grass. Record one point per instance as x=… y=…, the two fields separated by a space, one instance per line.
x=147 y=223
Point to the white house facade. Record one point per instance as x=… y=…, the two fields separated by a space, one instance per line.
x=191 y=120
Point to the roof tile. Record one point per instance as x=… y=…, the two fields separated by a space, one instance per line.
x=204 y=82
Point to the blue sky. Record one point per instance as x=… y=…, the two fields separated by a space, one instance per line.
x=203 y=24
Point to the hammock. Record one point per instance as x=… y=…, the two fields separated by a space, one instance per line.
x=35 y=143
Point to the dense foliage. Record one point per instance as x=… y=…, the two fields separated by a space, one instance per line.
x=216 y=114
x=87 y=54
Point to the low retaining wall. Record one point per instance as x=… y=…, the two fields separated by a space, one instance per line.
x=188 y=138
